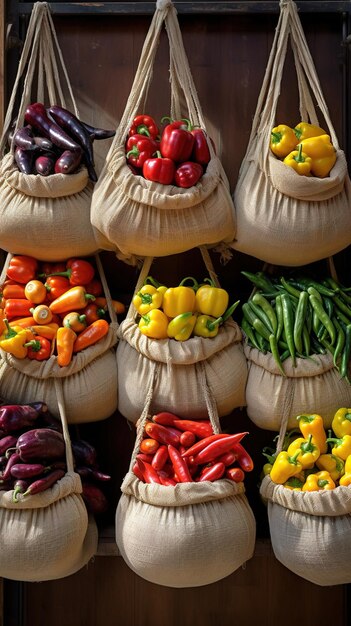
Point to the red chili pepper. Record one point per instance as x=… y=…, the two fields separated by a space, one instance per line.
x=78 y=272
x=17 y=307
x=200 y=428
x=167 y=481
x=244 y=459
x=162 y=434
x=13 y=460
x=39 y=349
x=228 y=458
x=159 y=169
x=137 y=471
x=145 y=457
x=214 y=472
x=22 y=268
x=179 y=465
x=187 y=439
x=144 y=125
x=165 y=418
x=235 y=473
x=139 y=148
x=177 y=142
x=201 y=152
x=200 y=445
x=56 y=286
x=149 y=473
x=160 y=458
x=217 y=448
x=188 y=174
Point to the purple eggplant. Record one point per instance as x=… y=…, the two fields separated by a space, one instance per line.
x=17 y=416
x=20 y=486
x=37 y=117
x=95 y=500
x=71 y=124
x=7 y=442
x=98 y=133
x=84 y=453
x=68 y=162
x=27 y=470
x=90 y=473
x=24 y=160
x=43 y=143
x=23 y=138
x=40 y=444
x=44 y=483
x=44 y=165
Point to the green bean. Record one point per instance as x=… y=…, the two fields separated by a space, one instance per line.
x=340 y=341
x=345 y=357
x=275 y=352
x=290 y=288
x=300 y=317
x=316 y=346
x=288 y=318
x=323 y=317
x=249 y=333
x=258 y=312
x=267 y=308
x=279 y=315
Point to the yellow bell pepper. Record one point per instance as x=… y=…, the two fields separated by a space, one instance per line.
x=345 y=480
x=211 y=300
x=308 y=451
x=312 y=424
x=341 y=423
x=283 y=140
x=320 y=481
x=182 y=326
x=342 y=447
x=294 y=483
x=322 y=153
x=177 y=300
x=13 y=339
x=207 y=326
x=284 y=467
x=299 y=161
x=304 y=130
x=332 y=464
x=154 y=324
x=146 y=299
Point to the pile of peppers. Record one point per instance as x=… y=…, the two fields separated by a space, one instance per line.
x=176 y=450
x=298 y=316
x=307 y=149
x=181 y=312
x=311 y=458
x=177 y=156
x=52 y=309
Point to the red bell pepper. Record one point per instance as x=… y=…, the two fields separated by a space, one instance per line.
x=56 y=286
x=201 y=151
x=159 y=169
x=78 y=272
x=22 y=268
x=188 y=174
x=177 y=142
x=39 y=349
x=144 y=125
x=139 y=148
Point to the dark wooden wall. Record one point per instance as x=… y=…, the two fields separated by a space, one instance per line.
x=227 y=55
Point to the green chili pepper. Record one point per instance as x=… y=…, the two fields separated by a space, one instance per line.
x=261 y=315
x=300 y=317
x=267 y=308
x=305 y=283
x=313 y=292
x=261 y=328
x=260 y=281
x=248 y=313
x=340 y=341
x=346 y=352
x=262 y=342
x=290 y=288
x=249 y=333
x=279 y=315
x=342 y=306
x=288 y=318
x=323 y=317
x=306 y=339
x=275 y=352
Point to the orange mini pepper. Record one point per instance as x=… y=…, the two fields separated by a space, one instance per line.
x=35 y=291
x=65 y=339
x=93 y=333
x=74 y=298
x=76 y=321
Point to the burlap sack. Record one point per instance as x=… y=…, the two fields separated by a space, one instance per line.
x=189 y=535
x=44 y=217
x=89 y=382
x=313 y=386
x=311 y=531
x=182 y=368
x=136 y=217
x=47 y=535
x=284 y=218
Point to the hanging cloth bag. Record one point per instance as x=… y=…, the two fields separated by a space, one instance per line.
x=48 y=535
x=89 y=382
x=178 y=385
x=284 y=218
x=136 y=217
x=188 y=535
x=47 y=217
x=310 y=531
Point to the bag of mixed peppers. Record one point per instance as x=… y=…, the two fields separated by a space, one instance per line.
x=306 y=485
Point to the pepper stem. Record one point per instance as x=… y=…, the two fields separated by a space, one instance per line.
x=195 y=284
x=299 y=158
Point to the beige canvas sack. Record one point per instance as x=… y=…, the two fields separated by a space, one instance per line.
x=180 y=365
x=89 y=382
x=44 y=217
x=313 y=386
x=189 y=535
x=284 y=218
x=135 y=217
x=47 y=535
x=310 y=531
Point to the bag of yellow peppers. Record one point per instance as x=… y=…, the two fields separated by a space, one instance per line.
x=181 y=312
x=306 y=148
x=314 y=461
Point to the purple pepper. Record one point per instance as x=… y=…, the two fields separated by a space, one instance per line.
x=17 y=416
x=83 y=452
x=7 y=442
x=42 y=444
